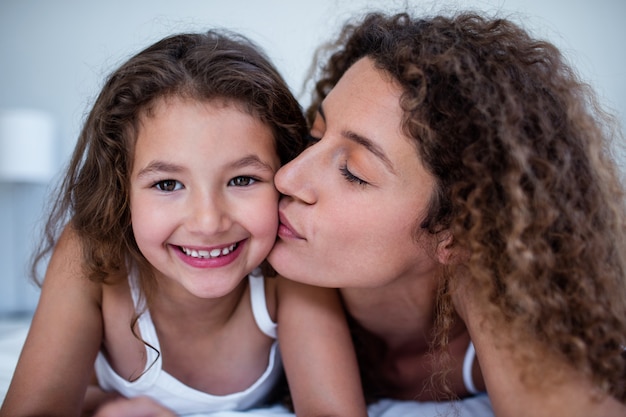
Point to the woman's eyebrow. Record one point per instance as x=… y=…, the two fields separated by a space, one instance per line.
x=365 y=142
x=371 y=147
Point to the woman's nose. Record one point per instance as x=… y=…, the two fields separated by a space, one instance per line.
x=296 y=178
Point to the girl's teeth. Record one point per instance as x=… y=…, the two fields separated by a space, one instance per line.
x=214 y=253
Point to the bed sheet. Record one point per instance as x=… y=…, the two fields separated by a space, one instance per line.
x=478 y=406
x=13 y=333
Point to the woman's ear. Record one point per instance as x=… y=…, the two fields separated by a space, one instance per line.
x=448 y=251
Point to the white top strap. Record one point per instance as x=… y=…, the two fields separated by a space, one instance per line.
x=470 y=354
x=259 y=305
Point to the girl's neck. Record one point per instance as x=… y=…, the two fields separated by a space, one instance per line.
x=177 y=309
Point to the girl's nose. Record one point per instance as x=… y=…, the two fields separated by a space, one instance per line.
x=297 y=179
x=209 y=215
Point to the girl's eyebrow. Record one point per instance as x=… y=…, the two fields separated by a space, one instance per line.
x=159 y=166
x=251 y=160
x=254 y=161
x=363 y=141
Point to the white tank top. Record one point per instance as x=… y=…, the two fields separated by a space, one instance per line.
x=175 y=395
x=468 y=362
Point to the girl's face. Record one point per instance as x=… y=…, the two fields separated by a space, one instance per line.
x=353 y=199
x=203 y=202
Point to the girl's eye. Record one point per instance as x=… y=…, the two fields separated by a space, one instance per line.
x=168 y=185
x=350 y=177
x=241 y=181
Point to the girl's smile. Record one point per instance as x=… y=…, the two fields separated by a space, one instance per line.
x=212 y=253
x=210 y=257
x=203 y=202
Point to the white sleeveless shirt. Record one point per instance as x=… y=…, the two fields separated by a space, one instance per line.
x=180 y=398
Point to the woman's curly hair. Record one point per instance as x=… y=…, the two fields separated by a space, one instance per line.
x=526 y=182
x=94 y=194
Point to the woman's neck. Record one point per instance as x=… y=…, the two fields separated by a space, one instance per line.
x=400 y=313
x=394 y=334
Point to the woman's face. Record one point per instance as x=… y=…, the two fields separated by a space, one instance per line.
x=353 y=199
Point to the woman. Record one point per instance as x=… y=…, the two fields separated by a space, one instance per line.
x=460 y=186
x=460 y=182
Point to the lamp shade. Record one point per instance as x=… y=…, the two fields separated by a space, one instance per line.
x=27 y=146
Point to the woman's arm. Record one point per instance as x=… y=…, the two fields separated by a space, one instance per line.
x=548 y=388
x=57 y=359
x=317 y=352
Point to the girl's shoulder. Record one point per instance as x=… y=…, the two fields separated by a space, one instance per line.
x=116 y=301
x=122 y=341
x=66 y=270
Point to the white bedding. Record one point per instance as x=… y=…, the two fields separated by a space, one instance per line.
x=472 y=407
x=478 y=406
x=13 y=333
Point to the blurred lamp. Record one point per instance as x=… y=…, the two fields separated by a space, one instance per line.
x=27 y=146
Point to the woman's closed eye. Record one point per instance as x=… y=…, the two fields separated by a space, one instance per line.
x=350 y=177
x=168 y=185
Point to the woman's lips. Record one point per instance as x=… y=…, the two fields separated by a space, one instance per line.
x=285 y=230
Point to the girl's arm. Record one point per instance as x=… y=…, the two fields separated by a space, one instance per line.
x=134 y=407
x=317 y=352
x=549 y=388
x=57 y=359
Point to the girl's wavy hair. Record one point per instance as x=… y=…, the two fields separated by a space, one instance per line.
x=93 y=197
x=526 y=182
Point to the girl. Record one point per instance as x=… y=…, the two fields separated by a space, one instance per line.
x=170 y=195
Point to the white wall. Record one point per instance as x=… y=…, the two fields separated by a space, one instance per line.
x=55 y=54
